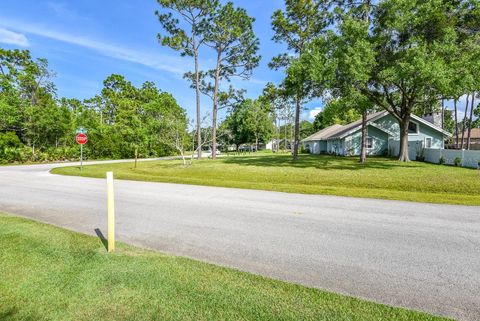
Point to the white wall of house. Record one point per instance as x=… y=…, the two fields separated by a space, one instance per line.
x=316 y=148
x=335 y=146
x=269 y=145
x=312 y=146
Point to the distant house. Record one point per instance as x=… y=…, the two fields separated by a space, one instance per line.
x=282 y=143
x=383 y=137
x=474 y=139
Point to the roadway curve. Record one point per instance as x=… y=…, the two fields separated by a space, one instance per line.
x=415 y=255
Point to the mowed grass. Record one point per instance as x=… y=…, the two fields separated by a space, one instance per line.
x=48 y=273
x=312 y=174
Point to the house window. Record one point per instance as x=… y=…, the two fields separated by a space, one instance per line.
x=428 y=142
x=412 y=128
x=369 y=142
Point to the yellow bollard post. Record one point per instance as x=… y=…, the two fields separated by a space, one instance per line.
x=110 y=213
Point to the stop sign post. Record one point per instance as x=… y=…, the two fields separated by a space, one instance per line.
x=81 y=139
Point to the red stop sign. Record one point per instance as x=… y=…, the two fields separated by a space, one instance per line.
x=82 y=139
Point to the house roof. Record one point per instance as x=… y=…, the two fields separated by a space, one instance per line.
x=426 y=122
x=324 y=133
x=353 y=127
x=475 y=133
x=340 y=131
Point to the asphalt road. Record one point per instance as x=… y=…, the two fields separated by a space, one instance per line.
x=420 y=256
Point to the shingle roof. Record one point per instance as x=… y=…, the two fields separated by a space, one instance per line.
x=349 y=127
x=475 y=133
x=337 y=131
x=324 y=133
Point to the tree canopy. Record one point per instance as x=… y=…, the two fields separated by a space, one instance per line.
x=36 y=125
x=407 y=53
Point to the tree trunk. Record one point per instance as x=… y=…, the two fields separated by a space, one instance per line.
x=183 y=157
x=197 y=97
x=136 y=157
x=292 y=137
x=277 y=130
x=470 y=121
x=285 y=136
x=403 y=153
x=464 y=123
x=443 y=113
x=363 y=151
x=456 y=122
x=215 y=108
x=296 y=139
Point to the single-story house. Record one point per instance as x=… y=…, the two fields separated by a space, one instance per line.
x=474 y=138
x=383 y=137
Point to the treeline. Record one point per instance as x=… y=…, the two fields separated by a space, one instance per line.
x=256 y=122
x=36 y=125
x=405 y=57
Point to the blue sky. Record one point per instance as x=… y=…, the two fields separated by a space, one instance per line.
x=87 y=40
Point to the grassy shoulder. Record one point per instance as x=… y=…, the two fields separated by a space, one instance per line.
x=312 y=174
x=50 y=273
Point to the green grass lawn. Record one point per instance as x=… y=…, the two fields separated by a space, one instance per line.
x=48 y=273
x=311 y=174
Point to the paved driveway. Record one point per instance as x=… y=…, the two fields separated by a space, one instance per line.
x=420 y=256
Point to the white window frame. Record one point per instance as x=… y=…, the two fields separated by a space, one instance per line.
x=431 y=142
x=418 y=128
x=371 y=145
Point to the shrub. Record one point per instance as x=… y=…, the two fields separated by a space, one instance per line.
x=458 y=161
x=9 y=139
x=10 y=146
x=441 y=161
x=420 y=154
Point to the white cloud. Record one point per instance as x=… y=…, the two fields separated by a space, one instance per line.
x=314 y=112
x=13 y=38
x=59 y=8
x=156 y=61
x=63 y=12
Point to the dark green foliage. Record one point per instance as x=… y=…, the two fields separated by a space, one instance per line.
x=337 y=111
x=9 y=139
x=249 y=122
x=306 y=129
x=401 y=56
x=441 y=160
x=9 y=146
x=457 y=162
x=35 y=126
